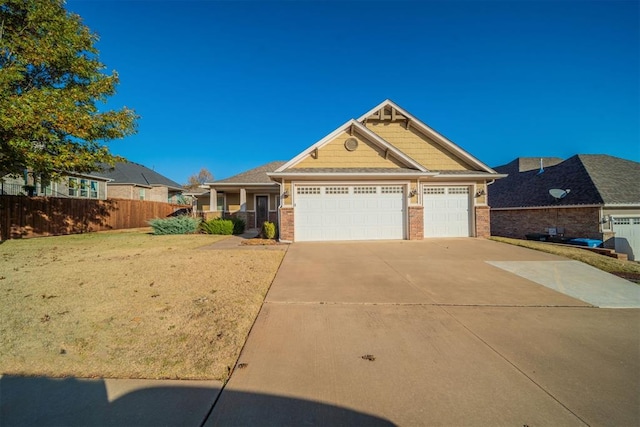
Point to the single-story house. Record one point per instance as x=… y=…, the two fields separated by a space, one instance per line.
x=73 y=185
x=592 y=196
x=128 y=180
x=385 y=175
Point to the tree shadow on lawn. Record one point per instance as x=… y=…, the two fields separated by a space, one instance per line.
x=85 y=402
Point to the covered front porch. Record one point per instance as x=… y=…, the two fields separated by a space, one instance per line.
x=254 y=204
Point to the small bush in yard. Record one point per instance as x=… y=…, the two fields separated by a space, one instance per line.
x=268 y=230
x=218 y=226
x=238 y=225
x=176 y=225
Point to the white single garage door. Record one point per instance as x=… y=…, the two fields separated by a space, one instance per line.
x=366 y=212
x=627 y=236
x=446 y=211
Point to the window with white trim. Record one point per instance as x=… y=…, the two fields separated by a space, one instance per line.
x=458 y=190
x=336 y=190
x=365 y=190
x=626 y=221
x=84 y=192
x=220 y=202
x=141 y=193
x=93 y=189
x=433 y=190
x=73 y=187
x=396 y=189
x=307 y=190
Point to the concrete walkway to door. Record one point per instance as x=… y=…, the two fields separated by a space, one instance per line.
x=428 y=333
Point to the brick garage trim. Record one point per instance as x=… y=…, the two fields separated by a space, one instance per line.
x=286 y=224
x=416 y=222
x=483 y=221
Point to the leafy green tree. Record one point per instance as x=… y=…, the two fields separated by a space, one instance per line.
x=51 y=82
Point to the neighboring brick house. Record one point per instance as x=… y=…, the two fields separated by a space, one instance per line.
x=386 y=175
x=600 y=199
x=72 y=185
x=128 y=180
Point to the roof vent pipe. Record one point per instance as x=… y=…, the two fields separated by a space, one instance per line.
x=541 y=167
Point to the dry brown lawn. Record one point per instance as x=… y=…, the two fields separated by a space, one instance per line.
x=128 y=305
x=629 y=270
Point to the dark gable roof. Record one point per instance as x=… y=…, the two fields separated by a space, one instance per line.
x=617 y=180
x=534 y=163
x=133 y=173
x=594 y=179
x=254 y=176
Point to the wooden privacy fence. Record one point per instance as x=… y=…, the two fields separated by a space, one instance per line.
x=22 y=216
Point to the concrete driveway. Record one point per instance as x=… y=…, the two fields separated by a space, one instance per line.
x=430 y=333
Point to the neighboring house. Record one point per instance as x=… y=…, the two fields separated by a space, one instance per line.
x=597 y=197
x=80 y=186
x=130 y=180
x=385 y=175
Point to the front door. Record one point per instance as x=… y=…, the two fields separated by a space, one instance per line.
x=262 y=210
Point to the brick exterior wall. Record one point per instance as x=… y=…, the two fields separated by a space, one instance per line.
x=121 y=192
x=483 y=222
x=416 y=223
x=273 y=217
x=577 y=222
x=286 y=224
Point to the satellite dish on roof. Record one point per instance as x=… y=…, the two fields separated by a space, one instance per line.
x=558 y=193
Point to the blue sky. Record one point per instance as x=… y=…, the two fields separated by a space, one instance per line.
x=230 y=85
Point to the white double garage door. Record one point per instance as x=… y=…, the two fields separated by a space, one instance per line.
x=376 y=212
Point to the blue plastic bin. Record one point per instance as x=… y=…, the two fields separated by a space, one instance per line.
x=592 y=243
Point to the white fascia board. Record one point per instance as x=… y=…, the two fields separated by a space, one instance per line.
x=429 y=132
x=470 y=176
x=133 y=184
x=318 y=144
x=237 y=184
x=85 y=175
x=383 y=143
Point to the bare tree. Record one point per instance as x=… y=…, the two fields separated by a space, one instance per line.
x=198 y=179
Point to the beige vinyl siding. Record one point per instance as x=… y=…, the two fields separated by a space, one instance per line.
x=417 y=146
x=335 y=155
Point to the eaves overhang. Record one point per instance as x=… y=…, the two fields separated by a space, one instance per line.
x=237 y=184
x=350 y=175
x=133 y=184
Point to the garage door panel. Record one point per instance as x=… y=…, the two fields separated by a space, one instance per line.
x=363 y=213
x=446 y=211
x=627 y=236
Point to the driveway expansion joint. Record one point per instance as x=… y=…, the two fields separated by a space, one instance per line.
x=428 y=304
x=506 y=359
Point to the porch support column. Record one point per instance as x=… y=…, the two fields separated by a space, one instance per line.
x=243 y=200
x=213 y=199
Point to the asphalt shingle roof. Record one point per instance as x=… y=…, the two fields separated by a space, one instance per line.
x=133 y=173
x=253 y=176
x=593 y=179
